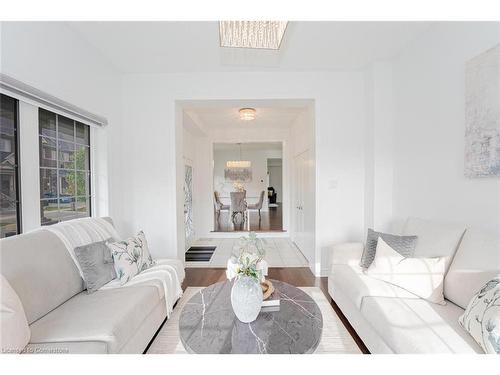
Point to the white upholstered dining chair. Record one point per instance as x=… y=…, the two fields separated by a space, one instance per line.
x=218 y=204
x=257 y=206
x=238 y=205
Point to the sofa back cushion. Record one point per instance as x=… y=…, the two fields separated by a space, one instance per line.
x=40 y=270
x=404 y=245
x=476 y=262
x=435 y=239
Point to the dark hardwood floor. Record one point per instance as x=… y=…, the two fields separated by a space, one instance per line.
x=270 y=221
x=297 y=276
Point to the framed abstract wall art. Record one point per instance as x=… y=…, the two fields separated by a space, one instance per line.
x=482 y=115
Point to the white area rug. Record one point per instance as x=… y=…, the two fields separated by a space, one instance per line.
x=335 y=338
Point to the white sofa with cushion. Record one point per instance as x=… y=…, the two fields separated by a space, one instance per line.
x=391 y=320
x=62 y=316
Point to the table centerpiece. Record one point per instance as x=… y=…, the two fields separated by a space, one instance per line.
x=248 y=269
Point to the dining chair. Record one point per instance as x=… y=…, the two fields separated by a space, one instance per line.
x=238 y=205
x=218 y=204
x=258 y=205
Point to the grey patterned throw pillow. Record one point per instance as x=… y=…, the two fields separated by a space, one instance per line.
x=131 y=257
x=97 y=265
x=404 y=245
x=481 y=319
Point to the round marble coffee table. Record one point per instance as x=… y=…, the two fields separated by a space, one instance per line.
x=208 y=325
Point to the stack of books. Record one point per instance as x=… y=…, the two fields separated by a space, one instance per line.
x=272 y=303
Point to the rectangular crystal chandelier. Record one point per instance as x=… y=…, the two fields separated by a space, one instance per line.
x=238 y=164
x=252 y=34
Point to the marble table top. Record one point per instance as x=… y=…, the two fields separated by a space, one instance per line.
x=208 y=325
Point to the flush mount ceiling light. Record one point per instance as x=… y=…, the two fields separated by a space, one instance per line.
x=247 y=114
x=252 y=34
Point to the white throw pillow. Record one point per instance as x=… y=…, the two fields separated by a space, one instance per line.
x=420 y=276
x=481 y=319
x=14 y=330
x=131 y=257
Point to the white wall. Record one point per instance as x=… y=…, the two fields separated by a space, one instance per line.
x=54 y=59
x=429 y=133
x=151 y=100
x=259 y=182
x=379 y=146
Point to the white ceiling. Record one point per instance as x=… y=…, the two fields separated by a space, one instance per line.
x=228 y=117
x=170 y=47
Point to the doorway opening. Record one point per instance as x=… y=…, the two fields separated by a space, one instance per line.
x=275 y=183
x=244 y=198
x=241 y=175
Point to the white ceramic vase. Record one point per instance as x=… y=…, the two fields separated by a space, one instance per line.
x=246 y=298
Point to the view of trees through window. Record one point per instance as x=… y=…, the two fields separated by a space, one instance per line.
x=64 y=168
x=9 y=176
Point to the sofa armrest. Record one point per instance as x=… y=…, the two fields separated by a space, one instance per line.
x=346 y=253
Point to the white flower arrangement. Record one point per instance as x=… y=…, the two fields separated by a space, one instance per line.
x=248 y=259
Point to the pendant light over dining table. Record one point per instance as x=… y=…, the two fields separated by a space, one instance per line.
x=238 y=164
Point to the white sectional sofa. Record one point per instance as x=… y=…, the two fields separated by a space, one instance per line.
x=391 y=320
x=62 y=317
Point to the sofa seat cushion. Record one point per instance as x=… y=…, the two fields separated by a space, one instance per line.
x=351 y=281
x=417 y=326
x=105 y=320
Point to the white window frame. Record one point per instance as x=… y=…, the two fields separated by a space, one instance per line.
x=90 y=197
x=30 y=100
